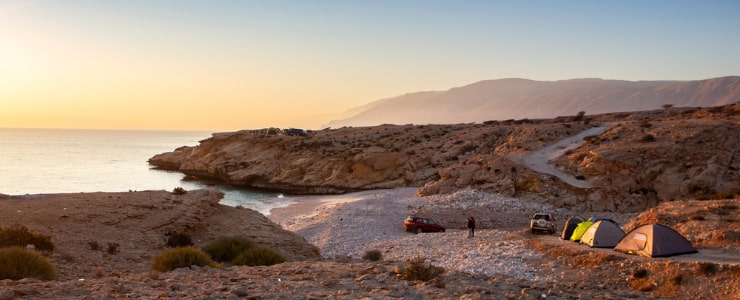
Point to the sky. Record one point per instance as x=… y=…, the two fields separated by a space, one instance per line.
x=230 y=65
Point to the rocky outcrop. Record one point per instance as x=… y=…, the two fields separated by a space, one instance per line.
x=642 y=159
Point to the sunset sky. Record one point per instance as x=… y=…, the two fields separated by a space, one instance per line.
x=228 y=65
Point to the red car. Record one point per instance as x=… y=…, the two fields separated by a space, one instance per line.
x=419 y=225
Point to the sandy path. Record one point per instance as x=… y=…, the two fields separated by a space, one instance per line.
x=540 y=160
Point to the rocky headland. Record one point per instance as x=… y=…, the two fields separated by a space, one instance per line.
x=634 y=161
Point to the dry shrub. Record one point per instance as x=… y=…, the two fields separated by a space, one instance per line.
x=179 y=191
x=640 y=273
x=226 y=249
x=373 y=255
x=181 y=257
x=647 y=138
x=258 y=256
x=696 y=217
x=112 y=248
x=94 y=246
x=179 y=240
x=420 y=270
x=20 y=236
x=18 y=263
x=706 y=268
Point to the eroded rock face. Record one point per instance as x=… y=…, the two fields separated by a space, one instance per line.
x=643 y=158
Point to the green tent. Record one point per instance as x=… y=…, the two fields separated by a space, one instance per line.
x=580 y=230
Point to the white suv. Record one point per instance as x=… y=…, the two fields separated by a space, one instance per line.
x=542 y=222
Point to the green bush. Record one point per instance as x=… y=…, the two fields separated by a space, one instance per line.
x=420 y=270
x=373 y=255
x=226 y=249
x=20 y=236
x=179 y=240
x=181 y=257
x=258 y=256
x=18 y=263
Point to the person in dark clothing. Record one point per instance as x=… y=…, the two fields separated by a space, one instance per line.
x=471 y=227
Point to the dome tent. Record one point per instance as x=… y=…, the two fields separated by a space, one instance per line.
x=654 y=240
x=602 y=234
x=569 y=226
x=580 y=230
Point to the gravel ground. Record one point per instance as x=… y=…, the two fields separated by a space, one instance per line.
x=350 y=225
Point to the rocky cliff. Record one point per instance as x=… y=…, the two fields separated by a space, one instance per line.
x=642 y=159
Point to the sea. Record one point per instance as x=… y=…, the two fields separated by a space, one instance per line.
x=49 y=161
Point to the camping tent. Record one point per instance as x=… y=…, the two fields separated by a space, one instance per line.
x=580 y=230
x=654 y=240
x=602 y=234
x=569 y=226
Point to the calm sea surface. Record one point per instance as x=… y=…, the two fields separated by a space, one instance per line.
x=42 y=161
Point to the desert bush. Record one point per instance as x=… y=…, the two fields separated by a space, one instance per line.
x=18 y=263
x=258 y=256
x=420 y=270
x=179 y=191
x=112 y=248
x=373 y=255
x=707 y=268
x=179 y=240
x=226 y=249
x=20 y=236
x=640 y=273
x=579 y=116
x=676 y=279
x=647 y=138
x=181 y=257
x=94 y=246
x=696 y=217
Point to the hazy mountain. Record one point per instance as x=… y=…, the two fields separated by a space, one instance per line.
x=514 y=98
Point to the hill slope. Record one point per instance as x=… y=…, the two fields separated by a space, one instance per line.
x=521 y=98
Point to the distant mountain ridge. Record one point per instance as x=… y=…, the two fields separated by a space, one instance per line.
x=515 y=98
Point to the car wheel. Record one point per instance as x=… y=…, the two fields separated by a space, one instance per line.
x=418 y=229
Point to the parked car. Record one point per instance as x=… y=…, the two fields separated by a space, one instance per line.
x=542 y=222
x=419 y=224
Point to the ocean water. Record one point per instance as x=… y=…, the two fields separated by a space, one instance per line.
x=44 y=161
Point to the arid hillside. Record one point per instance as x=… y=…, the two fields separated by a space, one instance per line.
x=522 y=98
x=638 y=159
x=114 y=233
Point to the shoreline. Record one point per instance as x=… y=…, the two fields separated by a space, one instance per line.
x=307 y=208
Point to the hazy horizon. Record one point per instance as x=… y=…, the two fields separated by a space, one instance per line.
x=230 y=65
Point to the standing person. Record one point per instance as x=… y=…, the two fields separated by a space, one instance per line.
x=471 y=227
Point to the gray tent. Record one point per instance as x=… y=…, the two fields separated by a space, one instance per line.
x=654 y=240
x=602 y=234
x=569 y=227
